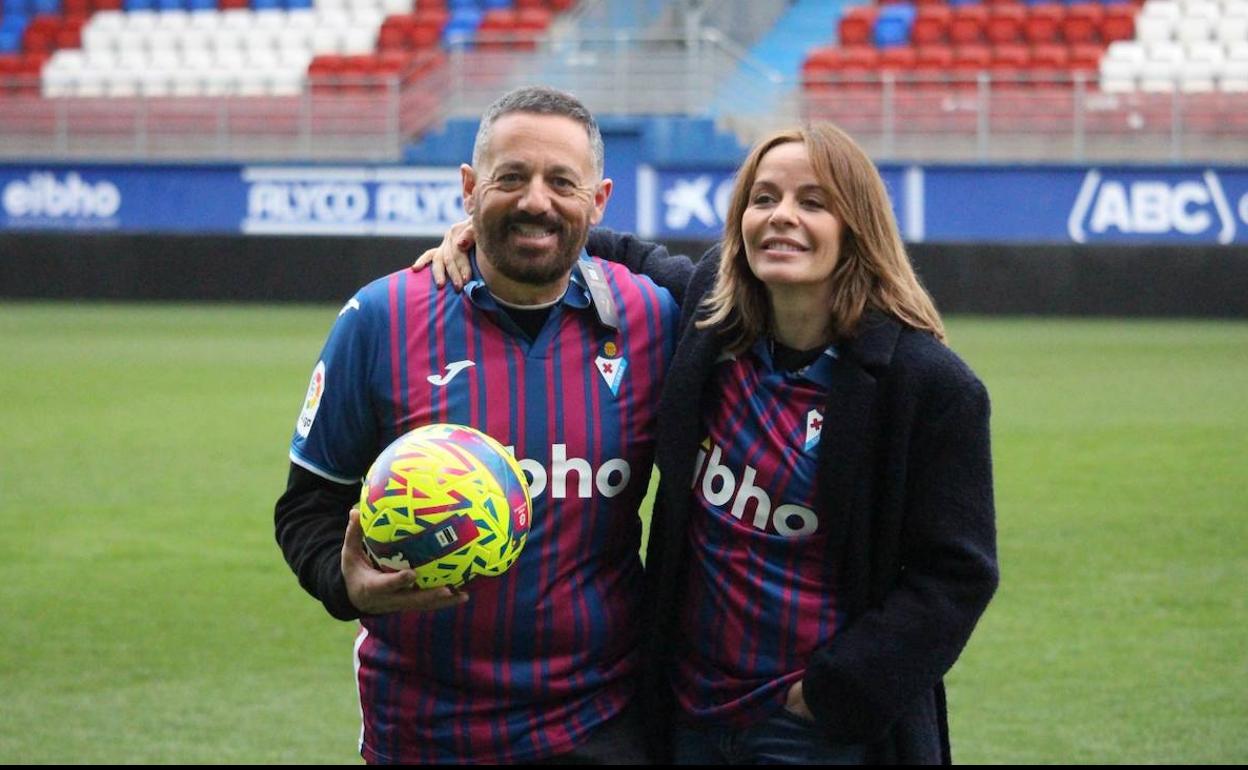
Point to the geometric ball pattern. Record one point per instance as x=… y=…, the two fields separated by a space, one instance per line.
x=448 y=502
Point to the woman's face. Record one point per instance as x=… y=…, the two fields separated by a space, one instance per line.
x=792 y=238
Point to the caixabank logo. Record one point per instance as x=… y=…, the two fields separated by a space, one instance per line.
x=47 y=198
x=1199 y=206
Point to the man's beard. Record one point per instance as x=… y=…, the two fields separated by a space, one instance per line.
x=524 y=265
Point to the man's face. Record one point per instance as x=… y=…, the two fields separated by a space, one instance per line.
x=532 y=203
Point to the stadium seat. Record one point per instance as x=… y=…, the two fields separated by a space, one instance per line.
x=1194 y=29
x=892 y=25
x=855 y=25
x=1042 y=23
x=1005 y=23
x=1160 y=70
x=1085 y=58
x=1118 y=23
x=931 y=25
x=969 y=61
x=1232 y=29
x=1234 y=76
x=897 y=59
x=967 y=25
x=932 y=66
x=1082 y=23
x=1011 y=63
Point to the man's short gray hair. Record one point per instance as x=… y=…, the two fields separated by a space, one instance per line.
x=539 y=100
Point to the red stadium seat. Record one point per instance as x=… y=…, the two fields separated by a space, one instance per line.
x=432 y=17
x=1118 y=23
x=1082 y=24
x=1050 y=65
x=968 y=61
x=1043 y=23
x=855 y=26
x=897 y=58
x=533 y=20
x=932 y=65
x=1086 y=58
x=1005 y=24
x=819 y=66
x=967 y=25
x=931 y=25
x=70 y=33
x=76 y=8
x=1010 y=63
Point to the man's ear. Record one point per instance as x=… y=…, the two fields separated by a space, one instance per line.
x=601 y=194
x=468 y=179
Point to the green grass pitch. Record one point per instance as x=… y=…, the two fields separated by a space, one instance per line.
x=148 y=617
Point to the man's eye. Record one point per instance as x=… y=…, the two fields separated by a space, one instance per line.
x=509 y=179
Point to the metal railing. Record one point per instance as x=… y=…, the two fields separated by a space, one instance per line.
x=1054 y=117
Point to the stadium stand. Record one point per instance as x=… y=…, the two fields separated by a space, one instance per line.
x=370 y=78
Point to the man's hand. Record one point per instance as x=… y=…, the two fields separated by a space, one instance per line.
x=374 y=592
x=794 y=703
x=450 y=258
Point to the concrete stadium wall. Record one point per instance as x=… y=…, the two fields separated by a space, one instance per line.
x=994 y=279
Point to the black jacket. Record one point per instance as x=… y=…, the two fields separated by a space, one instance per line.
x=906 y=471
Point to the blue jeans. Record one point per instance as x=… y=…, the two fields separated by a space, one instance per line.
x=781 y=739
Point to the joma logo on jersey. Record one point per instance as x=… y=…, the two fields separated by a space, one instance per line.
x=721 y=488
x=610 y=478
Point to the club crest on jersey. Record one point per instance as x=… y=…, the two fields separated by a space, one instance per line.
x=814 y=428
x=611 y=366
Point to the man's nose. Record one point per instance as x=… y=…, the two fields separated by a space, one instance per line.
x=536 y=198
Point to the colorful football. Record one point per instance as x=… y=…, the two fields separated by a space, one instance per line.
x=447 y=501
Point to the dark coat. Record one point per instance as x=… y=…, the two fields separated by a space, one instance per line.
x=905 y=470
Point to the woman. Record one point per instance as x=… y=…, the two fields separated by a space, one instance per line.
x=823 y=539
x=819 y=581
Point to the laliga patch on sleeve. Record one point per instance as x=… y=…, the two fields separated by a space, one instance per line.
x=316 y=390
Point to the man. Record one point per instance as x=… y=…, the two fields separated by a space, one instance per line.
x=559 y=357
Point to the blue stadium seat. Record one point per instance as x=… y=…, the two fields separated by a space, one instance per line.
x=455 y=5
x=16 y=7
x=892 y=25
x=202 y=5
x=462 y=26
x=295 y=5
x=139 y=5
x=15 y=22
x=45 y=6
x=169 y=5
x=266 y=5
x=491 y=5
x=10 y=40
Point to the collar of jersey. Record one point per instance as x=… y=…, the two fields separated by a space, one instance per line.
x=818 y=371
x=576 y=296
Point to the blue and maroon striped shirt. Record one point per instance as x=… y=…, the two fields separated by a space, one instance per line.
x=542 y=655
x=760 y=593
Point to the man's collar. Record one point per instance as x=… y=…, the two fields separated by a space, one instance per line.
x=577 y=295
